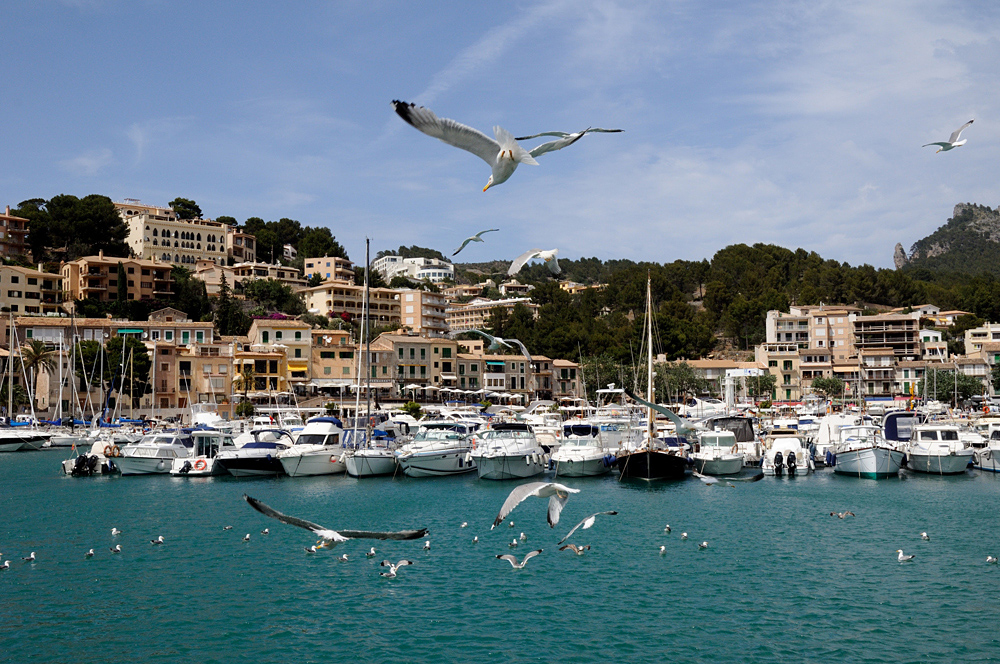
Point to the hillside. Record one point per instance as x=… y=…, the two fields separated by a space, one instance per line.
x=969 y=243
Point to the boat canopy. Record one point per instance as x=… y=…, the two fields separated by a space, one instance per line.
x=325 y=418
x=581 y=430
x=741 y=426
x=899 y=425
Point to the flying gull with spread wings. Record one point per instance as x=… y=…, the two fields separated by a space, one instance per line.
x=331 y=538
x=478 y=237
x=557 y=494
x=519 y=565
x=952 y=141
x=585 y=524
x=548 y=256
x=503 y=154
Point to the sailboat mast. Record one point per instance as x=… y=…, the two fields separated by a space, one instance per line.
x=649 y=358
x=368 y=345
x=10 y=372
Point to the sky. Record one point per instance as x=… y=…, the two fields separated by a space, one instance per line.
x=796 y=123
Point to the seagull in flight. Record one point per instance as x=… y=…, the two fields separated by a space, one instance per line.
x=586 y=523
x=903 y=558
x=331 y=538
x=391 y=574
x=557 y=494
x=952 y=141
x=496 y=342
x=502 y=154
x=711 y=481
x=578 y=550
x=519 y=565
x=548 y=256
x=478 y=237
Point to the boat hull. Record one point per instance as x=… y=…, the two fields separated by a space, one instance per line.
x=370 y=465
x=987 y=459
x=325 y=462
x=11 y=446
x=509 y=467
x=436 y=464
x=135 y=465
x=869 y=463
x=196 y=467
x=652 y=465
x=726 y=464
x=252 y=466
x=939 y=464
x=573 y=467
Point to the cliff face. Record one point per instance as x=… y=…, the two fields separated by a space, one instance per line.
x=968 y=242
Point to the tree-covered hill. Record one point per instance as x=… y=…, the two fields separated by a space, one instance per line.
x=969 y=242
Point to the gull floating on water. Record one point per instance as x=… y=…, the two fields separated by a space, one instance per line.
x=89 y=554
x=703 y=545
x=246 y=538
x=503 y=154
x=343 y=558
x=578 y=550
x=464 y=524
x=663 y=549
x=587 y=523
x=557 y=494
x=925 y=537
x=227 y=527
x=903 y=558
x=6 y=565
x=266 y=531
x=952 y=141
x=475 y=238
x=841 y=515
x=312 y=549
x=158 y=540
x=115 y=532
x=667 y=528
x=117 y=548
x=331 y=538
x=475 y=540
x=31 y=558
x=523 y=537
x=684 y=536
x=427 y=545
x=990 y=559
x=513 y=544
x=548 y=256
x=391 y=574
x=371 y=553
x=519 y=565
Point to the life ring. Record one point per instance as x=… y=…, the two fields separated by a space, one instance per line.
x=115 y=451
x=735 y=448
x=200 y=464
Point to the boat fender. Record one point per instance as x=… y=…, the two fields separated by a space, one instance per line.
x=534 y=458
x=198 y=465
x=468 y=457
x=812 y=451
x=342 y=457
x=829 y=458
x=812 y=464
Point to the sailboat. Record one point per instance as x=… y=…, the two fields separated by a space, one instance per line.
x=373 y=456
x=654 y=458
x=11 y=438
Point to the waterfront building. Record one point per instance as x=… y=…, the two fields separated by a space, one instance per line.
x=343 y=299
x=96 y=277
x=13 y=235
x=290 y=338
x=896 y=332
x=977 y=337
x=420 y=269
x=424 y=312
x=334 y=361
x=27 y=291
x=473 y=315
x=287 y=275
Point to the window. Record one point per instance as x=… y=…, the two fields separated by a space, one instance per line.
x=277 y=335
x=264 y=336
x=327 y=354
x=326 y=371
x=298 y=352
x=787 y=365
x=32 y=281
x=169 y=335
x=413 y=353
x=206 y=369
x=15 y=279
x=131 y=270
x=185 y=337
x=474 y=368
x=298 y=335
x=223 y=369
x=445 y=352
x=199 y=336
x=423 y=353
x=346 y=371
x=400 y=353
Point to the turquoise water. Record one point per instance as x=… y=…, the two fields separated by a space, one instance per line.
x=781 y=581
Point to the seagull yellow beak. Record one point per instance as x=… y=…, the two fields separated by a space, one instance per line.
x=488 y=185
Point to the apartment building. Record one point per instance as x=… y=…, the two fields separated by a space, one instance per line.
x=782 y=361
x=420 y=269
x=13 y=235
x=96 y=277
x=330 y=268
x=976 y=338
x=473 y=315
x=291 y=338
x=27 y=291
x=424 y=312
x=899 y=333
x=287 y=275
x=334 y=360
x=345 y=300
x=814 y=327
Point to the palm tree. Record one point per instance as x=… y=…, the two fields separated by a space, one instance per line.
x=35 y=357
x=245 y=379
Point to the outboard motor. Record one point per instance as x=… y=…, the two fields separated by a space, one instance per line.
x=790 y=462
x=778 y=464
x=80 y=466
x=186 y=468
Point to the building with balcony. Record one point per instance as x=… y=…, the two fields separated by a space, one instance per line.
x=342 y=299
x=287 y=275
x=330 y=268
x=899 y=333
x=13 y=235
x=292 y=338
x=155 y=232
x=473 y=315
x=96 y=277
x=27 y=291
x=424 y=312
x=976 y=338
x=420 y=269
x=782 y=361
x=334 y=361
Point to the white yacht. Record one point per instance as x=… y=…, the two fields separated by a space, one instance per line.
x=318 y=450
x=508 y=451
x=207 y=444
x=259 y=456
x=718 y=454
x=937 y=449
x=440 y=447
x=153 y=454
x=583 y=452
x=988 y=458
x=785 y=452
x=863 y=452
x=377 y=457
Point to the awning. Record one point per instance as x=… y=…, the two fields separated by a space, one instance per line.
x=331 y=382
x=495 y=363
x=297 y=367
x=129 y=330
x=449 y=376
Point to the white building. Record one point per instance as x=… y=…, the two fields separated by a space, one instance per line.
x=420 y=269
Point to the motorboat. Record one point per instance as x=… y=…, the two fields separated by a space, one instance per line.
x=440 y=447
x=14 y=439
x=718 y=454
x=583 y=452
x=863 y=452
x=318 y=450
x=378 y=457
x=259 y=456
x=508 y=450
x=742 y=428
x=154 y=453
x=207 y=444
x=97 y=461
x=71 y=439
x=937 y=449
x=785 y=452
x=988 y=458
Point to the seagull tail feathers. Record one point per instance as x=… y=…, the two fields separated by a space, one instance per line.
x=508 y=142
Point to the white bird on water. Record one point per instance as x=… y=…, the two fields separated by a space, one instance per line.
x=684 y=536
x=266 y=531
x=343 y=558
x=391 y=574
x=925 y=537
x=427 y=545
x=503 y=154
x=991 y=560
x=6 y=565
x=523 y=537
x=475 y=540
x=464 y=524
x=952 y=141
x=667 y=528
x=903 y=558
x=519 y=565
x=475 y=238
x=158 y=540
x=371 y=553
x=89 y=554
x=557 y=494
x=330 y=538
x=312 y=549
x=513 y=544
x=703 y=545
x=246 y=538
x=115 y=532
x=31 y=557
x=663 y=549
x=585 y=524
x=548 y=256
x=117 y=548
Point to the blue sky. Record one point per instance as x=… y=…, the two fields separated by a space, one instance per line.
x=794 y=123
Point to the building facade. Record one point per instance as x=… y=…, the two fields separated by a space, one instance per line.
x=424 y=312
x=96 y=277
x=473 y=315
x=420 y=269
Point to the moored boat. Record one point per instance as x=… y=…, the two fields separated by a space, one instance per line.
x=937 y=449
x=718 y=454
x=583 y=452
x=259 y=456
x=508 y=451
x=439 y=448
x=153 y=454
x=863 y=452
x=319 y=449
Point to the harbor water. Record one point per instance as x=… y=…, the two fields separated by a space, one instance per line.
x=780 y=581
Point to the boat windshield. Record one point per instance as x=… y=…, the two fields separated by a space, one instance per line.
x=437 y=434
x=493 y=434
x=318 y=439
x=161 y=439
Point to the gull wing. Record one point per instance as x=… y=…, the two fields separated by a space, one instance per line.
x=705 y=478
x=467 y=241
x=553 y=265
x=958 y=132
x=397 y=535
x=519 y=262
x=682 y=425
x=586 y=523
x=516 y=497
x=563 y=134
x=403 y=563
x=556 y=504
x=284 y=518
x=488 y=230
x=524 y=351
x=564 y=140
x=451 y=132
x=509 y=558
x=494 y=341
x=942 y=144
x=529 y=555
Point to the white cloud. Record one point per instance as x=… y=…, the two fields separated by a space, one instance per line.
x=88 y=164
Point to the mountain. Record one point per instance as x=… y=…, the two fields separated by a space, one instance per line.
x=969 y=242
